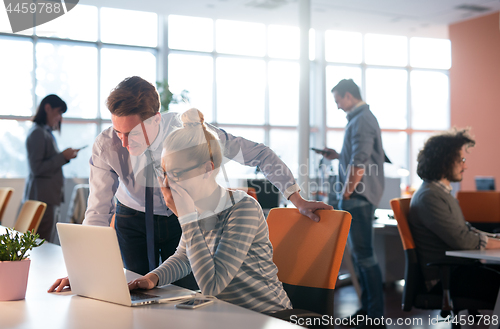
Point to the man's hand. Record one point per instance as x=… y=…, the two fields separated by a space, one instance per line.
x=308 y=208
x=149 y=281
x=59 y=285
x=330 y=154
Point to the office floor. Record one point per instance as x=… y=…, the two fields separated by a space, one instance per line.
x=346 y=303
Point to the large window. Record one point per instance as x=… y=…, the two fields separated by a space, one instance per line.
x=16 y=92
x=255 y=76
x=241 y=79
x=243 y=76
x=405 y=82
x=81 y=65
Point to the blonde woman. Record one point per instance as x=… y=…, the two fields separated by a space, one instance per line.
x=225 y=241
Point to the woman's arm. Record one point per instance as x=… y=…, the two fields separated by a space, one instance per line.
x=214 y=272
x=175 y=267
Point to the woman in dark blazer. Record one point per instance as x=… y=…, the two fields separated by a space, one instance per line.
x=46 y=181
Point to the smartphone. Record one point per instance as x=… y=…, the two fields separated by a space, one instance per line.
x=194 y=303
x=318 y=150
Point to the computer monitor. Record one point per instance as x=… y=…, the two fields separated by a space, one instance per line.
x=485 y=183
x=267 y=194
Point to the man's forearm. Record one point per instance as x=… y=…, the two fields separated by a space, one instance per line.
x=296 y=199
x=254 y=154
x=353 y=178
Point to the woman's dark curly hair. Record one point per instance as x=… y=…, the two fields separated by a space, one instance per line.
x=440 y=153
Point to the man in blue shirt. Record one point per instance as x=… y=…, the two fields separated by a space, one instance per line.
x=361 y=173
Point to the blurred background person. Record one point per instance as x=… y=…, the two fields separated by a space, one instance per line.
x=361 y=171
x=45 y=180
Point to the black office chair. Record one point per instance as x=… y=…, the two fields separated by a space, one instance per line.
x=415 y=293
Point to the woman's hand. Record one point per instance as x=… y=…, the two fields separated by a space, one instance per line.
x=177 y=198
x=183 y=201
x=149 y=281
x=59 y=285
x=70 y=153
x=167 y=194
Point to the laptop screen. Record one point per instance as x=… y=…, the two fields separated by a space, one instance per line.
x=485 y=183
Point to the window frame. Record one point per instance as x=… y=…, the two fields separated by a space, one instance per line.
x=409 y=130
x=99 y=45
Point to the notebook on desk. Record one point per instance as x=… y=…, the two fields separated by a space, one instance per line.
x=95 y=268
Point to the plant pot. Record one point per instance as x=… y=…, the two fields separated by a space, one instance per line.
x=14 y=279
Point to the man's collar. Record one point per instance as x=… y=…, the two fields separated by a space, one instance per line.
x=443 y=186
x=355 y=110
x=158 y=142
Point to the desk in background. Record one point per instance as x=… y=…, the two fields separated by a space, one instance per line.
x=68 y=311
x=388 y=246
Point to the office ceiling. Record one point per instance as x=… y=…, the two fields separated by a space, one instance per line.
x=404 y=17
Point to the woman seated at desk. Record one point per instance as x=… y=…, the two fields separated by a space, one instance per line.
x=225 y=239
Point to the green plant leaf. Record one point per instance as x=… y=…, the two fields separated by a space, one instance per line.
x=14 y=245
x=167 y=97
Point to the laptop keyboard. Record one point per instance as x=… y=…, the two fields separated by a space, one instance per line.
x=135 y=296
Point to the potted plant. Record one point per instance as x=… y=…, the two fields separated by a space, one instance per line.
x=14 y=264
x=167 y=97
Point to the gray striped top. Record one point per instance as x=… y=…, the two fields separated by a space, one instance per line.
x=230 y=255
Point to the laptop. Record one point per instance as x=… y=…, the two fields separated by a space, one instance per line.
x=485 y=183
x=95 y=268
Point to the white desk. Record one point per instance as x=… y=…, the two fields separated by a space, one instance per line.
x=490 y=254
x=68 y=311
x=493 y=255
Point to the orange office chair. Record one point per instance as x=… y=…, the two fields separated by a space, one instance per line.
x=415 y=293
x=30 y=216
x=308 y=256
x=251 y=191
x=5 y=194
x=248 y=190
